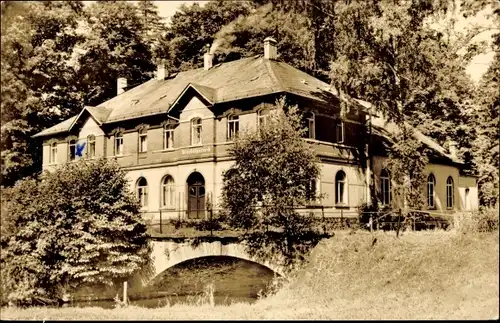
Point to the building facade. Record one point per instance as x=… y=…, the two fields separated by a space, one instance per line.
x=171 y=135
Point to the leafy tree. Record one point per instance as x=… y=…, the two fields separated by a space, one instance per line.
x=79 y=224
x=272 y=174
x=37 y=78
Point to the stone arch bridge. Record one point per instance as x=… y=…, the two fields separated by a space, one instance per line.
x=167 y=253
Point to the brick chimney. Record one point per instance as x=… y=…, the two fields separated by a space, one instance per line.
x=161 y=72
x=208 y=60
x=452 y=148
x=270 y=51
x=121 y=84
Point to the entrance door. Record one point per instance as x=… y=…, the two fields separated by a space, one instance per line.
x=196 y=196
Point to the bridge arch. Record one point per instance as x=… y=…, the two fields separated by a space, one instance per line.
x=166 y=254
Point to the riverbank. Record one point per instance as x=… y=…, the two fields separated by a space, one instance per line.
x=421 y=275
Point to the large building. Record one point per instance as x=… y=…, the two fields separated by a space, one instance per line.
x=171 y=135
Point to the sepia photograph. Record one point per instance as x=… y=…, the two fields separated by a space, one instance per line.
x=250 y=160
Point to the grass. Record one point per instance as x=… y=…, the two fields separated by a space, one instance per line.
x=421 y=275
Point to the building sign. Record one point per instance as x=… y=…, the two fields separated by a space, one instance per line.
x=195 y=151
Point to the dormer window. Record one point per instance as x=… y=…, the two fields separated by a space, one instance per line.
x=168 y=137
x=91 y=146
x=53 y=153
x=233 y=126
x=118 y=144
x=339 y=132
x=196 y=129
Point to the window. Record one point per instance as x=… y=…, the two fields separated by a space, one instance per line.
x=168 y=192
x=143 y=142
x=196 y=129
x=340 y=188
x=339 y=132
x=466 y=199
x=53 y=153
x=311 y=190
x=449 y=193
x=263 y=117
x=385 y=187
x=142 y=192
x=118 y=145
x=233 y=126
x=168 y=137
x=72 y=149
x=91 y=146
x=431 y=184
x=311 y=133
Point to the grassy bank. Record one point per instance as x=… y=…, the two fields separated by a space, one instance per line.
x=422 y=275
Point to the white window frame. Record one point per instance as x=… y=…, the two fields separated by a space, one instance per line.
x=263 y=116
x=196 y=128
x=450 y=194
x=311 y=126
x=72 y=144
x=118 y=147
x=431 y=191
x=340 y=134
x=91 y=146
x=341 y=199
x=53 y=153
x=385 y=187
x=168 y=192
x=142 y=193
x=143 y=142
x=168 y=137
x=233 y=127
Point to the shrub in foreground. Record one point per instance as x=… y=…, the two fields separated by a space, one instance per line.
x=77 y=225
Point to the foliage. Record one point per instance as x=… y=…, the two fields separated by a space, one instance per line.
x=76 y=225
x=272 y=174
x=483 y=220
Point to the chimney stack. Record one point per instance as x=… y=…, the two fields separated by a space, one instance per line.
x=270 y=51
x=161 y=72
x=121 y=84
x=208 y=60
x=452 y=148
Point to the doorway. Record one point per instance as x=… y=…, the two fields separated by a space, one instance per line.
x=196 y=196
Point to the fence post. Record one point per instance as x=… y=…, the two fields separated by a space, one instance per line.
x=211 y=221
x=323 y=217
x=125 y=297
x=371 y=222
x=161 y=230
x=399 y=220
x=341 y=218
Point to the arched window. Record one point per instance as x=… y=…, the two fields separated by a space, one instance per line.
x=311 y=128
x=449 y=193
x=233 y=126
x=431 y=190
x=53 y=153
x=466 y=199
x=118 y=144
x=91 y=146
x=340 y=188
x=72 y=149
x=168 y=137
x=142 y=191
x=196 y=129
x=385 y=187
x=168 y=192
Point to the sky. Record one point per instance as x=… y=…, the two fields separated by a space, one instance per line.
x=476 y=68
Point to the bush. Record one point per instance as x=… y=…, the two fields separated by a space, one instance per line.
x=79 y=224
x=483 y=220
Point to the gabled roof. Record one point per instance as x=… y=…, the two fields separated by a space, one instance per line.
x=208 y=93
x=58 y=128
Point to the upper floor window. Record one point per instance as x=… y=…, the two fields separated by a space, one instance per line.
x=168 y=192
x=142 y=191
x=72 y=149
x=168 y=137
x=53 y=153
x=431 y=186
x=340 y=188
x=311 y=190
x=385 y=187
x=263 y=117
x=143 y=142
x=233 y=126
x=91 y=146
x=339 y=132
x=118 y=144
x=311 y=131
x=449 y=193
x=196 y=129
